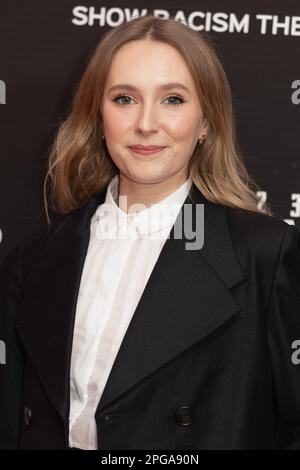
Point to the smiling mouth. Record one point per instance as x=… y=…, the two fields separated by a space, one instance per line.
x=152 y=147
x=145 y=150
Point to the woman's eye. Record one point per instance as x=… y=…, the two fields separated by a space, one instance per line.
x=121 y=97
x=181 y=100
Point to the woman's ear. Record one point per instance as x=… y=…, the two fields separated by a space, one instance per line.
x=206 y=125
x=204 y=130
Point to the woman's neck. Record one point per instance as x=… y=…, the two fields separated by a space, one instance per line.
x=145 y=194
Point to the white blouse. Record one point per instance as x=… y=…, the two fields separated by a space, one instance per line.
x=122 y=252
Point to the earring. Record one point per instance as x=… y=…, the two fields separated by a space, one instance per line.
x=201 y=140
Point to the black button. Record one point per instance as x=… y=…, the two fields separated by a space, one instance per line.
x=27 y=415
x=184 y=416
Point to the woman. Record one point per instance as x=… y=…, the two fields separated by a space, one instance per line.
x=119 y=334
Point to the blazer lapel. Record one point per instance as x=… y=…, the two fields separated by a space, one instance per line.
x=176 y=309
x=186 y=298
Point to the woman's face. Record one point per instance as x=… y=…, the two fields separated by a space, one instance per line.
x=148 y=114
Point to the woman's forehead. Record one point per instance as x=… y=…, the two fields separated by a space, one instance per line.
x=156 y=60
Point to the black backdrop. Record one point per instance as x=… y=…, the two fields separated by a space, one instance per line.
x=43 y=51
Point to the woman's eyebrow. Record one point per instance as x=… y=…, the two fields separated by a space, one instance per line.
x=163 y=86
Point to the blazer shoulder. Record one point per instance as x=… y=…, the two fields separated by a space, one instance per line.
x=261 y=242
x=31 y=248
x=254 y=225
x=259 y=233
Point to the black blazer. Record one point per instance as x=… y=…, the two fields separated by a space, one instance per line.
x=210 y=359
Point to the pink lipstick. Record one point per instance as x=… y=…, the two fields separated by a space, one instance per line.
x=146 y=150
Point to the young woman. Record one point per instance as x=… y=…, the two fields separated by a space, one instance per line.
x=119 y=334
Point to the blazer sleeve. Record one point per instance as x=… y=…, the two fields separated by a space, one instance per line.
x=283 y=330
x=11 y=368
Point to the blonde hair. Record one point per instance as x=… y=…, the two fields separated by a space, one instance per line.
x=80 y=166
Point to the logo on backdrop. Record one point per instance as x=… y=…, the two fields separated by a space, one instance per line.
x=219 y=22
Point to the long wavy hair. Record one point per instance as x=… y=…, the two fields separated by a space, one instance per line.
x=79 y=164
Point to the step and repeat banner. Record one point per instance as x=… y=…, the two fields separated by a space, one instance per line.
x=44 y=48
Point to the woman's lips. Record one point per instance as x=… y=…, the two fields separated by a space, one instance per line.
x=146 y=150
